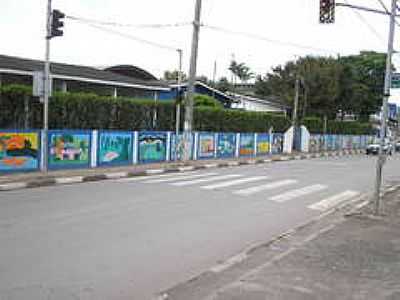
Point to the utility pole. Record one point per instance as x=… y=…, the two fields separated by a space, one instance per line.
x=178 y=104
x=386 y=93
x=45 y=99
x=296 y=102
x=192 y=78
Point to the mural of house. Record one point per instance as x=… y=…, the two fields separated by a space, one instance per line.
x=123 y=80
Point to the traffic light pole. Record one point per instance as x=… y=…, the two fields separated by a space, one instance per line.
x=46 y=89
x=386 y=93
x=192 y=78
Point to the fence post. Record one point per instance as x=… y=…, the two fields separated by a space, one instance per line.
x=237 y=145
x=94 y=148
x=135 y=146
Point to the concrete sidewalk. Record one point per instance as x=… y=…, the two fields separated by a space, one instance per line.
x=340 y=256
x=38 y=179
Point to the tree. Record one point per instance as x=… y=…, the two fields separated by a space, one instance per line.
x=349 y=85
x=223 y=85
x=241 y=71
x=173 y=75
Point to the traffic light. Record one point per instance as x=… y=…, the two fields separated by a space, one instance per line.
x=57 y=23
x=327 y=11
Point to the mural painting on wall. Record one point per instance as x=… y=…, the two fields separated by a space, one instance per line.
x=348 y=142
x=263 y=144
x=314 y=143
x=246 y=147
x=356 y=142
x=363 y=141
x=206 y=145
x=115 y=148
x=19 y=151
x=152 y=146
x=68 y=149
x=338 y=142
x=226 y=144
x=277 y=143
x=329 y=142
x=179 y=144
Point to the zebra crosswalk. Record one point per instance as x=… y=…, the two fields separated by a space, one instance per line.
x=269 y=189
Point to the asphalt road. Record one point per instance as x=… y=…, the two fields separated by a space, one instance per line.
x=132 y=238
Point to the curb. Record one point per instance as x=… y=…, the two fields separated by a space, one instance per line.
x=35 y=183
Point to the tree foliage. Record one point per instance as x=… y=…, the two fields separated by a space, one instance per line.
x=350 y=84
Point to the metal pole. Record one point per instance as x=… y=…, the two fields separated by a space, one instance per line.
x=46 y=88
x=178 y=104
x=386 y=93
x=296 y=102
x=192 y=78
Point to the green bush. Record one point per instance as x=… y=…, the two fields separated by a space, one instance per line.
x=316 y=125
x=90 y=111
x=206 y=101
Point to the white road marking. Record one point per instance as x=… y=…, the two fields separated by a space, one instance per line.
x=333 y=200
x=264 y=187
x=212 y=178
x=181 y=177
x=298 y=193
x=69 y=180
x=145 y=177
x=155 y=171
x=234 y=182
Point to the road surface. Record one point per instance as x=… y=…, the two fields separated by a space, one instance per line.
x=132 y=238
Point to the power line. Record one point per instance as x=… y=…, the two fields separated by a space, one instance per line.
x=265 y=39
x=387 y=10
x=116 y=24
x=370 y=27
x=128 y=36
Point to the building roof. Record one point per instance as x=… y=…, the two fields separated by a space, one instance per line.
x=228 y=97
x=133 y=72
x=271 y=100
x=22 y=66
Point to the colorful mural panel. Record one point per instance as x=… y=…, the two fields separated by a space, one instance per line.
x=206 y=148
x=263 y=144
x=19 y=151
x=152 y=146
x=330 y=144
x=178 y=144
x=314 y=143
x=114 y=148
x=226 y=145
x=277 y=143
x=69 y=149
x=247 y=144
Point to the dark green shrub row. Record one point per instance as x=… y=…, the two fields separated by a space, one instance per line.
x=90 y=111
x=315 y=125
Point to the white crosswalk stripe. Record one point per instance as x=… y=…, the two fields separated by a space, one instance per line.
x=234 y=182
x=298 y=193
x=265 y=187
x=333 y=200
x=212 y=178
x=147 y=177
x=184 y=176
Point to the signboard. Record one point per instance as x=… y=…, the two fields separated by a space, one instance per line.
x=395 y=81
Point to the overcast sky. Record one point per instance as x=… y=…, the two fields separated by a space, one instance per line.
x=290 y=21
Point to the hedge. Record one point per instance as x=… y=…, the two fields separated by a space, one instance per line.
x=90 y=111
x=316 y=125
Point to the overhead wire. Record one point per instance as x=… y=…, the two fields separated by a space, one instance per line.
x=370 y=27
x=128 y=36
x=117 y=24
x=269 y=40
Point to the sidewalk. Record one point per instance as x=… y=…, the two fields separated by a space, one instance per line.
x=37 y=179
x=341 y=256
